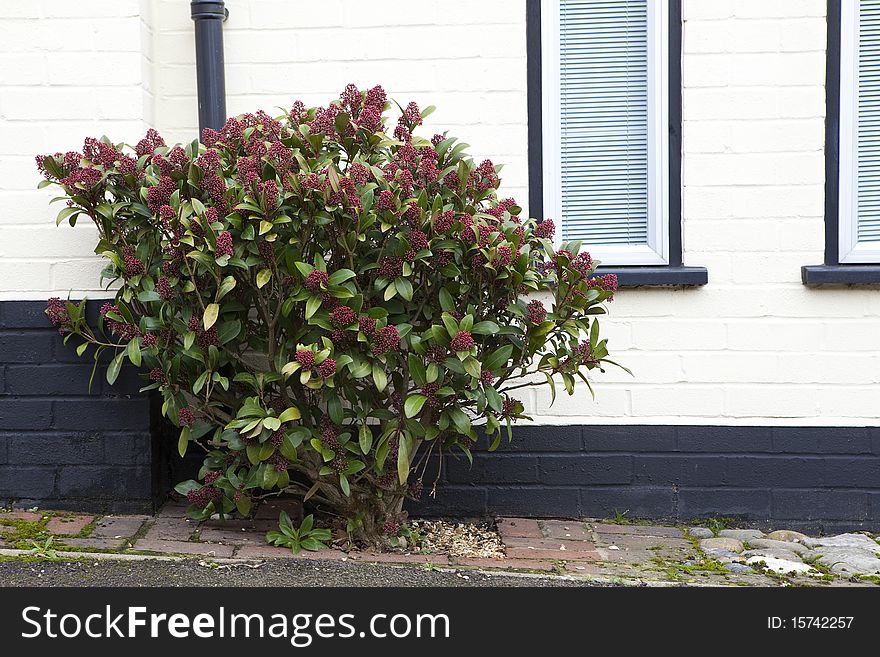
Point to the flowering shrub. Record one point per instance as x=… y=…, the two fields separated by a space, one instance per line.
x=323 y=307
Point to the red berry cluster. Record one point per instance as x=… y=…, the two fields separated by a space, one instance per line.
x=315 y=280
x=163 y=287
x=385 y=339
x=186 y=417
x=327 y=368
x=305 y=358
x=224 y=244
x=366 y=325
x=582 y=352
x=391 y=267
x=443 y=223
x=463 y=341
x=133 y=266
x=56 y=310
x=342 y=316
x=536 y=311
x=429 y=390
x=203 y=496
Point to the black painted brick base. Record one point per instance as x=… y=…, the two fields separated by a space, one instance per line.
x=62 y=447
x=813 y=478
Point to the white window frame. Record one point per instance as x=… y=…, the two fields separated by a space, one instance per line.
x=850 y=250
x=656 y=251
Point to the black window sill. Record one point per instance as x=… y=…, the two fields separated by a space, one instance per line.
x=818 y=275
x=660 y=276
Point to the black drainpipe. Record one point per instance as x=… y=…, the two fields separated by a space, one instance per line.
x=208 y=17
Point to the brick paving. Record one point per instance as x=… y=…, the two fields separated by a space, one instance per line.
x=615 y=553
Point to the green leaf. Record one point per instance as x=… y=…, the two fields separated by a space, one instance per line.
x=225 y=287
x=263 y=277
x=403 y=460
x=340 y=276
x=286 y=526
x=493 y=399
x=552 y=384
x=312 y=306
x=413 y=404
x=253 y=453
x=80 y=350
x=290 y=414
x=146 y=296
x=115 y=366
x=183 y=441
x=185 y=487
x=365 y=439
x=228 y=331
x=211 y=313
x=200 y=382
x=450 y=324
x=460 y=419
x=485 y=328
x=498 y=358
x=472 y=366
x=243 y=504
x=311 y=544
x=134 y=352
x=404 y=287
x=334 y=409
x=417 y=369
x=446 y=302
x=343 y=484
x=379 y=377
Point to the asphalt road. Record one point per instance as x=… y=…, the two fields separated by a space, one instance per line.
x=108 y=573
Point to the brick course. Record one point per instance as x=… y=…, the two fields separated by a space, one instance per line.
x=60 y=445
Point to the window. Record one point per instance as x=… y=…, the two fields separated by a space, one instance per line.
x=605 y=132
x=852 y=147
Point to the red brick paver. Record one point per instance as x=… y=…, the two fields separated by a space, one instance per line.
x=231 y=536
x=544 y=553
x=68 y=526
x=567 y=529
x=112 y=544
x=27 y=516
x=640 y=530
x=522 y=527
x=118 y=526
x=171 y=529
x=548 y=544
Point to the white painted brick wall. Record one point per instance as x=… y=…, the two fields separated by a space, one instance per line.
x=67 y=70
x=752 y=347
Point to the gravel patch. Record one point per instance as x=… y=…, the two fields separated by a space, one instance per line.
x=460 y=539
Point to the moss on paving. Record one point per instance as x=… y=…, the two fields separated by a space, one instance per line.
x=25 y=532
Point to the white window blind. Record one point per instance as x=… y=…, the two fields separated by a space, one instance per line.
x=605 y=116
x=859 y=203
